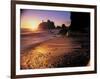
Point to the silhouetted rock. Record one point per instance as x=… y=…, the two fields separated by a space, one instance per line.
x=58 y=27
x=50 y=24
x=46 y=25
x=43 y=25
x=80 y=21
x=64 y=30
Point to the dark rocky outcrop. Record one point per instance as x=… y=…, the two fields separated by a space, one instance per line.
x=46 y=25
x=80 y=21
x=64 y=30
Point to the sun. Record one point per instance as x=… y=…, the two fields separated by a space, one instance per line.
x=30 y=24
x=33 y=25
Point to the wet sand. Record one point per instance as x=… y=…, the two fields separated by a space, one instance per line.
x=57 y=52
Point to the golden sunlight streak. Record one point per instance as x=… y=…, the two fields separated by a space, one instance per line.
x=30 y=24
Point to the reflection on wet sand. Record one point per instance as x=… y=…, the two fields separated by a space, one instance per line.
x=57 y=52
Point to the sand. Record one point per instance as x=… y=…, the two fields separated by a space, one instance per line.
x=57 y=52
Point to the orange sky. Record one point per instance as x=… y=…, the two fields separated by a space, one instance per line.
x=32 y=18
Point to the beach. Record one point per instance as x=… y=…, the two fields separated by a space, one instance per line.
x=44 y=50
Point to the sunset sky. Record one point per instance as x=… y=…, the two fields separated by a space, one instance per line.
x=31 y=18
